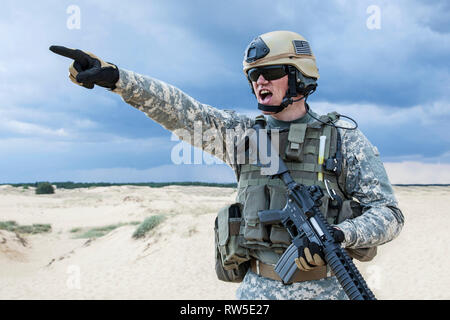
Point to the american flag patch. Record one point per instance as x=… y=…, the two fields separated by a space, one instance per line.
x=302 y=47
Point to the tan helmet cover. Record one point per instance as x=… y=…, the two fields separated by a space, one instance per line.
x=285 y=47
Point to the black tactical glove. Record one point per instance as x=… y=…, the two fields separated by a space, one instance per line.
x=310 y=255
x=88 y=69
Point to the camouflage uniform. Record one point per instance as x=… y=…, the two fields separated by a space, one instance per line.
x=366 y=178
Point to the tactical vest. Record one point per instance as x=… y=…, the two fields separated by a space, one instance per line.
x=299 y=149
x=240 y=236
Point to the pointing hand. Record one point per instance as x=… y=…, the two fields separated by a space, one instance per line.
x=88 y=69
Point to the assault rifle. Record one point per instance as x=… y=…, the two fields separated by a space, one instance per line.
x=302 y=218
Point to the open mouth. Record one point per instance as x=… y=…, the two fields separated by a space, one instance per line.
x=265 y=96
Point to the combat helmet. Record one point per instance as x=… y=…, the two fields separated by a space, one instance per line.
x=289 y=49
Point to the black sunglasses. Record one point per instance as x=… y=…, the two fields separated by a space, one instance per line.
x=268 y=72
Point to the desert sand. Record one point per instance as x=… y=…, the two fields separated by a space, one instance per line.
x=176 y=259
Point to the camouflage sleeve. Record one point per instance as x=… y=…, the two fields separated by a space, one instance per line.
x=368 y=182
x=193 y=122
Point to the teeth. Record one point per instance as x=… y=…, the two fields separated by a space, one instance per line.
x=264 y=92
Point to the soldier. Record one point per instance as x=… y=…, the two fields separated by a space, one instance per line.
x=282 y=73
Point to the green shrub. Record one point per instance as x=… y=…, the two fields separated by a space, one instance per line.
x=44 y=188
x=8 y=225
x=75 y=230
x=32 y=229
x=147 y=225
x=98 y=232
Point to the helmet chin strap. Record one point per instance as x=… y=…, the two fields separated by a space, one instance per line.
x=276 y=109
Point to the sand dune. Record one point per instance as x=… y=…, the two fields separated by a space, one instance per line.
x=176 y=259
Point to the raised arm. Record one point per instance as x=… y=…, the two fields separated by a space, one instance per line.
x=198 y=124
x=171 y=107
x=178 y=112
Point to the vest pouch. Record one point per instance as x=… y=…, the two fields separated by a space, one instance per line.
x=256 y=199
x=231 y=258
x=296 y=137
x=350 y=210
x=279 y=236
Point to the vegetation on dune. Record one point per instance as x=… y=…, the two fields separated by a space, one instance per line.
x=44 y=188
x=97 y=232
x=147 y=225
x=31 y=229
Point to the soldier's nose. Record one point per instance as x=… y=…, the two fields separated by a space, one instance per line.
x=261 y=80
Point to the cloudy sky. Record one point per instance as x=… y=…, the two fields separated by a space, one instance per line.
x=391 y=74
